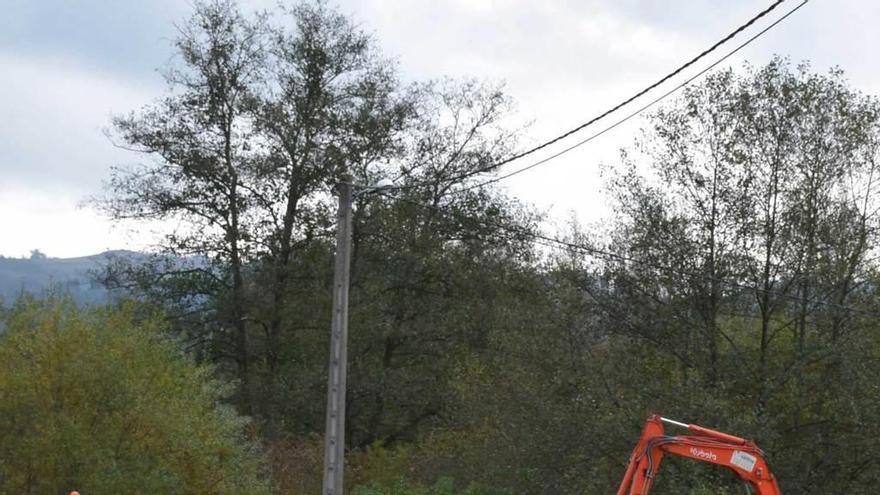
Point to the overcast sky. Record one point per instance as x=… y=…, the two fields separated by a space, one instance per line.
x=67 y=66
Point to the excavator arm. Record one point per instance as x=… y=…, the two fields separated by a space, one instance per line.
x=739 y=455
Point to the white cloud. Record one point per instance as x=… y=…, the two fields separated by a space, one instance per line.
x=48 y=219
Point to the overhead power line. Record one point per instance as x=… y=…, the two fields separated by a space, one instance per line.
x=611 y=110
x=609 y=255
x=636 y=112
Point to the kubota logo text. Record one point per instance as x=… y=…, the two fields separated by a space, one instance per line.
x=703 y=454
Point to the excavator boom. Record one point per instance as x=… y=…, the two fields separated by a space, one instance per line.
x=739 y=455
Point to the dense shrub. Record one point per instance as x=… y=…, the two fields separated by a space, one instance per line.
x=100 y=401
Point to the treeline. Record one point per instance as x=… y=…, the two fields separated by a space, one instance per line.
x=733 y=287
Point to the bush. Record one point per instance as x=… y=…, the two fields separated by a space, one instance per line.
x=100 y=401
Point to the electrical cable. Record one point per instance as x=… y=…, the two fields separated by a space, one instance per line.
x=633 y=114
x=613 y=109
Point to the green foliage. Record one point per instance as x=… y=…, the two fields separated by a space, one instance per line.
x=297 y=464
x=401 y=486
x=744 y=295
x=100 y=401
x=383 y=471
x=757 y=276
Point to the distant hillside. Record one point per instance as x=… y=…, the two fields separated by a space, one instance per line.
x=72 y=275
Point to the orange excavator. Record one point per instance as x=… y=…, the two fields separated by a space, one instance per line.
x=739 y=455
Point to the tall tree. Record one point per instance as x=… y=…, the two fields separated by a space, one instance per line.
x=754 y=185
x=332 y=105
x=260 y=121
x=201 y=165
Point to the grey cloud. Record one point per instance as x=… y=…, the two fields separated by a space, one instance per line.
x=126 y=37
x=50 y=134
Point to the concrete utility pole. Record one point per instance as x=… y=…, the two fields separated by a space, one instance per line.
x=334 y=437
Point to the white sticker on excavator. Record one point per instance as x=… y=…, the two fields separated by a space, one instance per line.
x=744 y=461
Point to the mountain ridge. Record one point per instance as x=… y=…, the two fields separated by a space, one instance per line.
x=73 y=276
